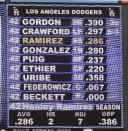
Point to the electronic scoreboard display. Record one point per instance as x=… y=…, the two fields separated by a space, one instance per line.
x=63 y=65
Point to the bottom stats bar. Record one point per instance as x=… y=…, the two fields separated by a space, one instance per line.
x=65 y=118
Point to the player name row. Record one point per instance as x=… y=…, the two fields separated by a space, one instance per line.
x=64 y=22
x=60 y=86
x=98 y=96
x=60 y=50
x=59 y=68
x=80 y=106
x=61 y=40
x=97 y=77
x=70 y=59
x=64 y=31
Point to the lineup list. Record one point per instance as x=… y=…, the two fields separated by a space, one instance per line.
x=65 y=66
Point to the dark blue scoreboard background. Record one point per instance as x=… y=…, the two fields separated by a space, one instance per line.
x=63 y=66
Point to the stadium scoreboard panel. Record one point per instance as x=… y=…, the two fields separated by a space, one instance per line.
x=63 y=65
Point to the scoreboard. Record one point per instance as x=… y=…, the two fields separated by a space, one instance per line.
x=63 y=65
